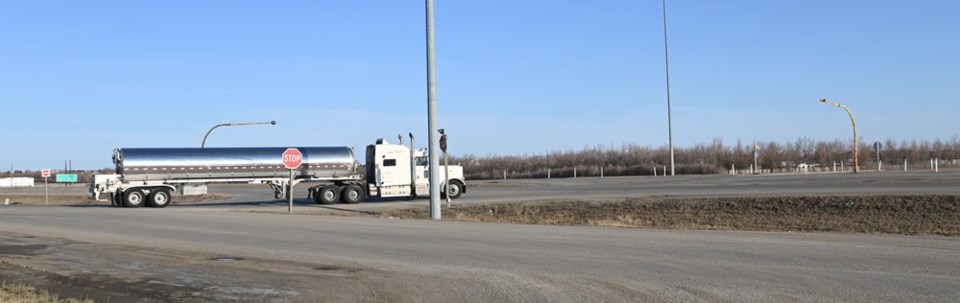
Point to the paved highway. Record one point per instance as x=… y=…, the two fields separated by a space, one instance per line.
x=504 y=262
x=411 y=260
x=499 y=191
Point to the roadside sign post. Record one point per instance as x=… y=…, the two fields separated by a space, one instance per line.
x=446 y=165
x=45 y=173
x=756 y=158
x=877 y=146
x=292 y=159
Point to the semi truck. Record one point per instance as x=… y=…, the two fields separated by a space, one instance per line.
x=149 y=176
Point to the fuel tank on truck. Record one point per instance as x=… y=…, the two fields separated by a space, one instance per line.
x=149 y=164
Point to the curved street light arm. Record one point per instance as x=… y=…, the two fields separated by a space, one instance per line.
x=203 y=144
x=856 y=147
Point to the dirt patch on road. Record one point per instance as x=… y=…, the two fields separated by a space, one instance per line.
x=120 y=273
x=911 y=215
x=87 y=200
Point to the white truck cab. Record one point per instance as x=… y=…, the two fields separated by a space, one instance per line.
x=394 y=170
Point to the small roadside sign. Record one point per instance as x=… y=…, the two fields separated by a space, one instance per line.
x=45 y=173
x=66 y=178
x=443 y=142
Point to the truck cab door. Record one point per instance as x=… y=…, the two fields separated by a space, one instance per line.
x=422 y=172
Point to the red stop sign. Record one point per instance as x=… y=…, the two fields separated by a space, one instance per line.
x=292 y=158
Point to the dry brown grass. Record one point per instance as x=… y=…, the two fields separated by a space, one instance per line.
x=15 y=293
x=936 y=215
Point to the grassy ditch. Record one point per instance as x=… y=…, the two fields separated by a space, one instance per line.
x=910 y=215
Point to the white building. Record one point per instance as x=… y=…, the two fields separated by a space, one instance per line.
x=16 y=182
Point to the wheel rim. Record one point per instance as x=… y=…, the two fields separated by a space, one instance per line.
x=329 y=195
x=353 y=194
x=161 y=198
x=135 y=198
x=454 y=189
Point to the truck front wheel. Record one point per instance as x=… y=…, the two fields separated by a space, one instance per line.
x=455 y=190
x=133 y=198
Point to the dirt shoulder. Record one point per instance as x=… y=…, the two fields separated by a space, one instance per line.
x=909 y=215
x=119 y=273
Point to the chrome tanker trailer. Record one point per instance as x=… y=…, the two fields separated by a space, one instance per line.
x=150 y=175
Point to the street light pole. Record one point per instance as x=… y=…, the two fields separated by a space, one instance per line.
x=666 y=59
x=204 y=143
x=856 y=147
x=432 y=124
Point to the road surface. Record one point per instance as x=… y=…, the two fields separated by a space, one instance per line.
x=224 y=252
x=410 y=260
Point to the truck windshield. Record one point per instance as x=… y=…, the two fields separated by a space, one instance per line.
x=422 y=161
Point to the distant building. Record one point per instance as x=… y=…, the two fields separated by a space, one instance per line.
x=16 y=182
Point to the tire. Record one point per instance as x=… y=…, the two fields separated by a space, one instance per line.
x=159 y=197
x=327 y=195
x=133 y=198
x=456 y=189
x=351 y=194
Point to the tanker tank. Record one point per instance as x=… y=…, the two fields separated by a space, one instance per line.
x=151 y=164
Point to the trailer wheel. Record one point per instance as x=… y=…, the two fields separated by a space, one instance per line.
x=328 y=194
x=351 y=194
x=159 y=197
x=456 y=189
x=133 y=198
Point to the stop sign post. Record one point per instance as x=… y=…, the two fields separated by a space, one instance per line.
x=292 y=159
x=45 y=173
x=446 y=166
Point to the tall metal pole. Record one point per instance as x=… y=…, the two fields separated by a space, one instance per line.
x=666 y=59
x=856 y=145
x=434 y=150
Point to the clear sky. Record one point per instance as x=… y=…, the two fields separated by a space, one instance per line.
x=79 y=78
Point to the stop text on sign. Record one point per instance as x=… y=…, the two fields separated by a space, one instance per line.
x=292 y=158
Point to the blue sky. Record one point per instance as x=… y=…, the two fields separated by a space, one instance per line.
x=79 y=78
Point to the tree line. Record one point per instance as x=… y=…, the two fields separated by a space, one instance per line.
x=712 y=158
